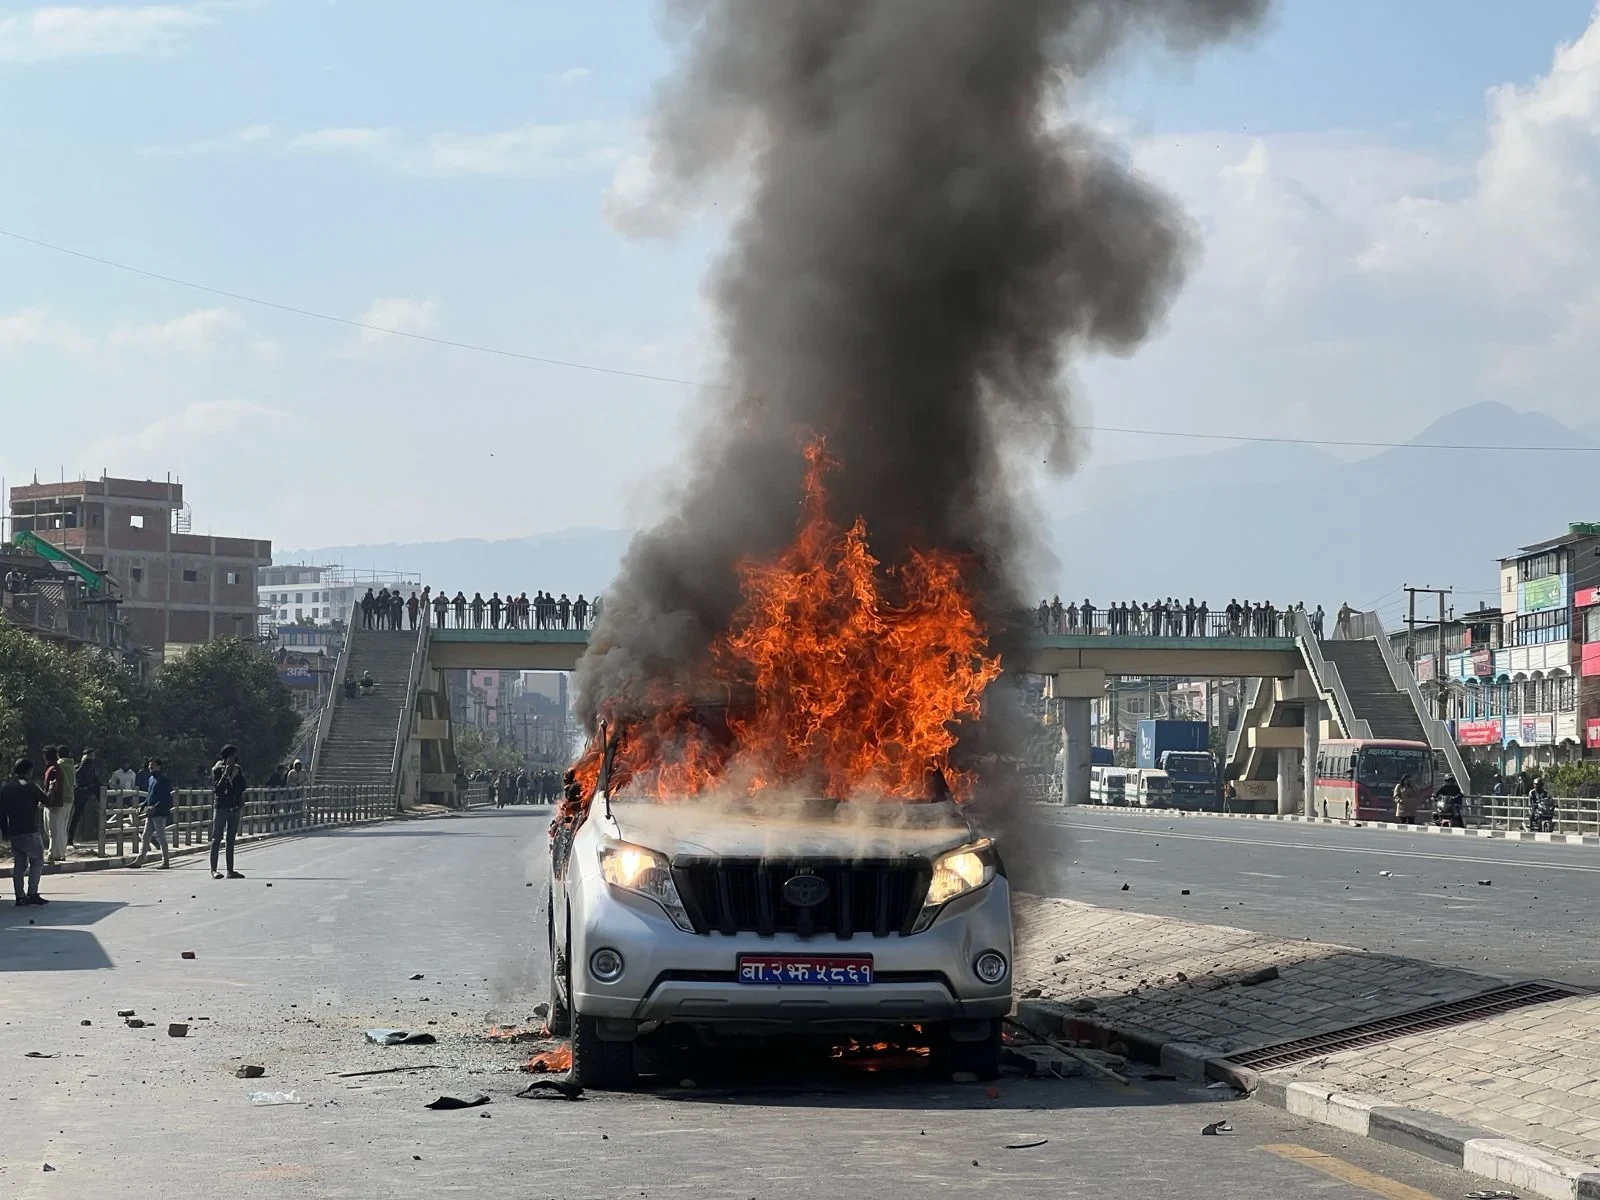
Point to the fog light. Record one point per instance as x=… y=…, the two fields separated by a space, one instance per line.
x=991 y=966
x=606 y=965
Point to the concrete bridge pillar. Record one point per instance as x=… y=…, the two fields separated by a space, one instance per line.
x=1075 y=690
x=1313 y=719
x=1289 y=791
x=1075 y=736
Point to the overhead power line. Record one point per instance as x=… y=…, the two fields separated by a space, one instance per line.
x=595 y=368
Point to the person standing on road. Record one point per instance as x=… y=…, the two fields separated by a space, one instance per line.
x=1405 y=801
x=22 y=825
x=57 y=798
x=157 y=812
x=85 y=793
x=227 y=786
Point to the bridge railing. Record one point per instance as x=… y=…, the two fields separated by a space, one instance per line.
x=267 y=812
x=1074 y=620
x=510 y=616
x=1573 y=814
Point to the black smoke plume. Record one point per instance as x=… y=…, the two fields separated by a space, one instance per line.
x=928 y=242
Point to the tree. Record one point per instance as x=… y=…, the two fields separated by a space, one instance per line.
x=477 y=751
x=219 y=693
x=82 y=698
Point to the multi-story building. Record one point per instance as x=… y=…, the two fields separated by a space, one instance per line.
x=1521 y=685
x=178 y=588
x=293 y=594
x=56 y=596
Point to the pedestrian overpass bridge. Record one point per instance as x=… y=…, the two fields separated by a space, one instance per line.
x=1299 y=695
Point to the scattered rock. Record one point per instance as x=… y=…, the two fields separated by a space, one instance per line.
x=269 y=885
x=86 y=1022
x=414 y=978
x=125 y=1012
x=186 y=954
x=250 y=1071
x=1181 y=977
x=135 y=1023
x=1026 y=1145
x=1061 y=958
x=541 y=1010
x=1185 y=892
x=37 y=1054
x=1485 y=883
x=177 y=1029
x=1264 y=975
x=1386 y=874
x=1033 y=993
x=1124 y=887
x=48 y=1167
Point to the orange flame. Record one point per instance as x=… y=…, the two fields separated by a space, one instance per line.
x=846 y=679
x=550 y=1062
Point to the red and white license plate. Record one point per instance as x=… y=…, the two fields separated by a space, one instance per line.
x=802 y=970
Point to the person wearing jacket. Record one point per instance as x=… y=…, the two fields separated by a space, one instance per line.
x=22 y=824
x=85 y=795
x=157 y=809
x=227 y=787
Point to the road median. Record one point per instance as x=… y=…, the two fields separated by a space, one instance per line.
x=1506 y=835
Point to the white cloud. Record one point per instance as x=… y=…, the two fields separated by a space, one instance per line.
x=72 y=31
x=209 y=426
x=35 y=327
x=395 y=314
x=523 y=151
x=192 y=333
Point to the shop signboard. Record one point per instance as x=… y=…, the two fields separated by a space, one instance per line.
x=1586 y=597
x=1592 y=730
x=1566 y=727
x=1485 y=731
x=1483 y=663
x=1424 y=668
x=1591 y=658
x=1544 y=729
x=1537 y=595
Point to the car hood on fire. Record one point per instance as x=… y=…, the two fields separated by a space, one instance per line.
x=693 y=830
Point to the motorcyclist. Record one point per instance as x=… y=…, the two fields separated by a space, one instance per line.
x=1448 y=801
x=1541 y=808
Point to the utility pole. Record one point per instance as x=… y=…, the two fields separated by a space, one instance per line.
x=1411 y=634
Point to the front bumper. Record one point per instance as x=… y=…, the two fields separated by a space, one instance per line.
x=676 y=977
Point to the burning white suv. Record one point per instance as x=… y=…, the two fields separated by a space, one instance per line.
x=841 y=920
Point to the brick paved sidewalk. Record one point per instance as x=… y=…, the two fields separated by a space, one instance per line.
x=1530 y=1076
x=1161 y=979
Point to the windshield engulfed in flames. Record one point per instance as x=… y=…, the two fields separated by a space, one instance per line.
x=845 y=677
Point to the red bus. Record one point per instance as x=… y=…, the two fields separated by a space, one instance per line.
x=1356 y=777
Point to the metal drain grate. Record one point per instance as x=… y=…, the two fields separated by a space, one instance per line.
x=1439 y=1016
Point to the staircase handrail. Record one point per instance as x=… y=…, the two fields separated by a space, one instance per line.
x=1236 y=734
x=340 y=670
x=1326 y=679
x=1438 y=734
x=408 y=706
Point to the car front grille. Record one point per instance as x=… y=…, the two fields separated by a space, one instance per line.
x=870 y=897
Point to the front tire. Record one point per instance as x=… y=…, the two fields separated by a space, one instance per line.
x=597 y=1063
x=981 y=1058
x=559 y=1018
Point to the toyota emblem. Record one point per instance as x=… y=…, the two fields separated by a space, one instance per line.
x=805 y=891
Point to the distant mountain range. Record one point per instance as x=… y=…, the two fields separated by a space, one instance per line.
x=1258 y=521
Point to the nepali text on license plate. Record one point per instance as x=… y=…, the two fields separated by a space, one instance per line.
x=800 y=970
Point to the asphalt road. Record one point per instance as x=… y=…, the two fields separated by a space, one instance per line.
x=321 y=942
x=1536 y=919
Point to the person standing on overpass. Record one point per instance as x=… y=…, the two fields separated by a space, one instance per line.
x=441 y=606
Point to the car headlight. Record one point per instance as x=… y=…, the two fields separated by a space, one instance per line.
x=644 y=873
x=955 y=874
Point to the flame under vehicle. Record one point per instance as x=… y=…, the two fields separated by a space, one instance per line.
x=725 y=923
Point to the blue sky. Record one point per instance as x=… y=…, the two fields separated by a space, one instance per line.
x=1371 y=256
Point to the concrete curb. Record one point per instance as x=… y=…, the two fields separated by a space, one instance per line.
x=1507 y=835
x=1518 y=1165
